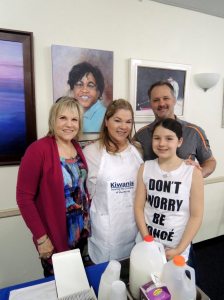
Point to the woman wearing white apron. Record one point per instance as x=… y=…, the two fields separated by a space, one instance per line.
x=113 y=165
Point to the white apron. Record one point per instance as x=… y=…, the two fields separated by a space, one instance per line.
x=112 y=214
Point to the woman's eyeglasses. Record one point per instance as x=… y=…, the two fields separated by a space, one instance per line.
x=89 y=86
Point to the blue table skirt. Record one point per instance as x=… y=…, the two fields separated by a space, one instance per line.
x=93 y=274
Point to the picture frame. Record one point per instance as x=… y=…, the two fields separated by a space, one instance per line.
x=17 y=95
x=68 y=64
x=143 y=73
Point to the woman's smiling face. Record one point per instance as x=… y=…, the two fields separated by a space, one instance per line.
x=66 y=125
x=120 y=126
x=85 y=91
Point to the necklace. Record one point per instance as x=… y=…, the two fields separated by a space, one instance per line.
x=123 y=147
x=165 y=175
x=170 y=168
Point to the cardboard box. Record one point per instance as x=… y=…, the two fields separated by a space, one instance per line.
x=70 y=276
x=150 y=292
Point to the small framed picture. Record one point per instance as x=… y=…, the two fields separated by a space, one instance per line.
x=143 y=73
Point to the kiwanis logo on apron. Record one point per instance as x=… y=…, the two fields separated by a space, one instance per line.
x=122 y=187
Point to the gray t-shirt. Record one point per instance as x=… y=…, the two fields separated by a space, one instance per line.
x=195 y=143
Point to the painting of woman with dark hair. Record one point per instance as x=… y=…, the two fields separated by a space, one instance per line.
x=86 y=75
x=86 y=84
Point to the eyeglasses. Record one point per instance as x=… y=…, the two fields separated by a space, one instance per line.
x=89 y=86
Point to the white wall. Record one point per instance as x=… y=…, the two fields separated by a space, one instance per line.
x=131 y=29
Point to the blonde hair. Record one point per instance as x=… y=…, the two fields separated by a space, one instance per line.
x=60 y=105
x=104 y=137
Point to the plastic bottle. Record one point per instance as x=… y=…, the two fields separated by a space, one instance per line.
x=146 y=257
x=111 y=274
x=118 y=291
x=178 y=283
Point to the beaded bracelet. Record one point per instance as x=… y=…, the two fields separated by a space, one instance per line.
x=41 y=243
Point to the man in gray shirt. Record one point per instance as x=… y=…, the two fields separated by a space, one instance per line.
x=195 y=143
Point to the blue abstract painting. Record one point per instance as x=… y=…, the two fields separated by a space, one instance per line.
x=12 y=99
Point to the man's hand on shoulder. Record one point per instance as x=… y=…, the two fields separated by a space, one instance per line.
x=207 y=167
x=193 y=163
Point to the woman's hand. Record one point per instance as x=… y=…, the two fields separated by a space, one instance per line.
x=45 y=247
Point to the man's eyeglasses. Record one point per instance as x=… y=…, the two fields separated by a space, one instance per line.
x=89 y=86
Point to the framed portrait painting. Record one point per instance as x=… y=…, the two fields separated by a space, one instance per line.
x=17 y=98
x=86 y=75
x=143 y=73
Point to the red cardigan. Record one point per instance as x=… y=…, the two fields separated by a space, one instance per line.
x=40 y=192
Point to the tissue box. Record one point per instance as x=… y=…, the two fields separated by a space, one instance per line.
x=150 y=292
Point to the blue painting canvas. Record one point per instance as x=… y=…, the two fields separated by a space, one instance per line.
x=12 y=99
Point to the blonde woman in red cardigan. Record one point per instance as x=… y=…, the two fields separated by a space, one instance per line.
x=51 y=185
